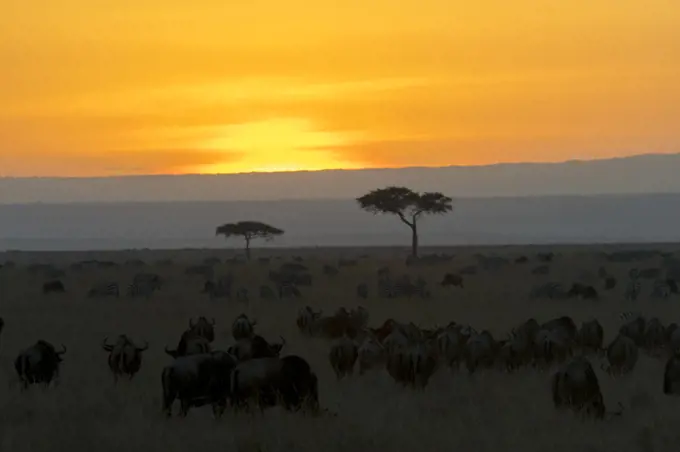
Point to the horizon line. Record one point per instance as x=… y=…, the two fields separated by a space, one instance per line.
x=294 y=172
x=406 y=248
x=223 y=201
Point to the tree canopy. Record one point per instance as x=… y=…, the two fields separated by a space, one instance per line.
x=407 y=204
x=249 y=230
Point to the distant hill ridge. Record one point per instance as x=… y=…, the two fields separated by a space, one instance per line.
x=643 y=174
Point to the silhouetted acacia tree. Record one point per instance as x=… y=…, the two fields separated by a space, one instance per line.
x=407 y=205
x=249 y=230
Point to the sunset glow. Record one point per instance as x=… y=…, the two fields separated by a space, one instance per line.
x=147 y=87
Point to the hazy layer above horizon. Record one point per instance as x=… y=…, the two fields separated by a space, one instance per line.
x=537 y=220
x=641 y=174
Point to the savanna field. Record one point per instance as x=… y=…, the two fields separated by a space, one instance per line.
x=490 y=410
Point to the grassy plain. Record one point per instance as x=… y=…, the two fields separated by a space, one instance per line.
x=489 y=411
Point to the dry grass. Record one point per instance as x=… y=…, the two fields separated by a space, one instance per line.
x=487 y=412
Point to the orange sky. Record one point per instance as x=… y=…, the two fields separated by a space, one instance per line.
x=169 y=86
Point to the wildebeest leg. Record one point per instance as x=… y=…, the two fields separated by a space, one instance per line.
x=218 y=408
x=168 y=400
x=185 y=404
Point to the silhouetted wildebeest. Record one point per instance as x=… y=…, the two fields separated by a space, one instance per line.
x=342 y=356
x=583 y=291
x=590 y=336
x=125 y=358
x=219 y=289
x=609 y=283
x=141 y=289
x=545 y=257
x=288 y=290
x=480 y=351
x=671 y=375
x=337 y=325
x=54 y=286
x=203 y=328
x=255 y=347
x=242 y=327
x=38 y=363
x=197 y=380
x=576 y=387
x=195 y=340
x=452 y=280
x=565 y=323
x=287 y=381
x=305 y=317
x=104 y=289
x=151 y=279
x=634 y=329
x=521 y=260
x=412 y=365
x=622 y=355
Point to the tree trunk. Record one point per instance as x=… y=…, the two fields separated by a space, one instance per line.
x=414 y=240
x=247 y=247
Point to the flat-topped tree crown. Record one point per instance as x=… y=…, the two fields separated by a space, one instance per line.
x=249 y=230
x=407 y=204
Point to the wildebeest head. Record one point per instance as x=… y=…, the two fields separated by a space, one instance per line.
x=256 y=347
x=306 y=316
x=385 y=329
x=122 y=342
x=189 y=344
x=203 y=328
x=48 y=349
x=2 y=324
x=242 y=327
x=564 y=323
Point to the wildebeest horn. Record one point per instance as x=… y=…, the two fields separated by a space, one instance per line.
x=213 y=320
x=283 y=341
x=63 y=350
x=191 y=323
x=172 y=353
x=106 y=346
x=146 y=346
x=253 y=322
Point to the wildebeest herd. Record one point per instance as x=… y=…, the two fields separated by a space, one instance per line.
x=453 y=343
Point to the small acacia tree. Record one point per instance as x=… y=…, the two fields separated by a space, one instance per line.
x=249 y=230
x=408 y=205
